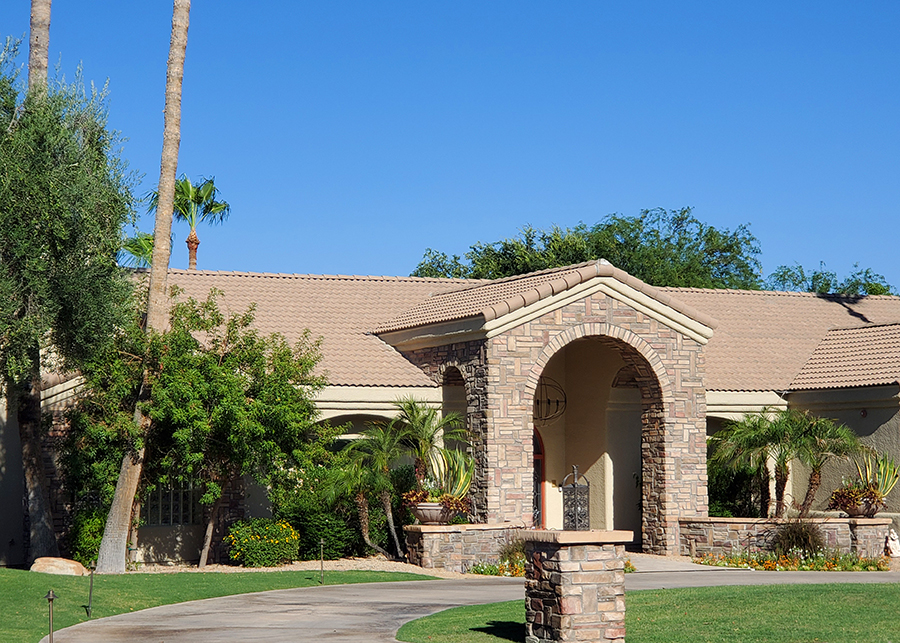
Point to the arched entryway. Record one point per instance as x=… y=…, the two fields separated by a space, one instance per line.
x=612 y=398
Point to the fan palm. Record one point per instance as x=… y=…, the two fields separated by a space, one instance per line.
x=818 y=440
x=754 y=441
x=425 y=431
x=137 y=251
x=354 y=481
x=195 y=203
x=380 y=447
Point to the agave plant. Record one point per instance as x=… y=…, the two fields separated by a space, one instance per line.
x=453 y=471
x=882 y=473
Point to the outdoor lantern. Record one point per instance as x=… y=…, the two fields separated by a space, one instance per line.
x=50 y=596
x=576 y=502
x=549 y=401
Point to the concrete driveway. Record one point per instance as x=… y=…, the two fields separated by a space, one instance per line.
x=335 y=613
x=375 y=611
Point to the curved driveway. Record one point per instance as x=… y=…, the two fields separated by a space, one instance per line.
x=374 y=611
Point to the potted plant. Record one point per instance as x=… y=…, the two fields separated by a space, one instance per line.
x=864 y=497
x=442 y=495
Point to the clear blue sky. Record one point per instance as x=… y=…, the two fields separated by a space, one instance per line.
x=350 y=136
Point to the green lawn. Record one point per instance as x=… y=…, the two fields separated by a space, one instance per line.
x=774 y=614
x=25 y=610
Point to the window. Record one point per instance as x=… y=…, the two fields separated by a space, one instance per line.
x=178 y=505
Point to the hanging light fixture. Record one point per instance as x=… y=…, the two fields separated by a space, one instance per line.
x=549 y=401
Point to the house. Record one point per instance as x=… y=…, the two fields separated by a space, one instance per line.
x=577 y=366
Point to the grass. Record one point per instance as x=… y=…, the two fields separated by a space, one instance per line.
x=25 y=610
x=772 y=614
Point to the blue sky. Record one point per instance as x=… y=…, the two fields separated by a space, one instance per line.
x=350 y=136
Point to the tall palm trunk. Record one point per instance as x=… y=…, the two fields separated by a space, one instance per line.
x=193 y=242
x=42 y=540
x=111 y=559
x=815 y=481
x=39 y=44
x=362 y=507
x=781 y=478
x=389 y=513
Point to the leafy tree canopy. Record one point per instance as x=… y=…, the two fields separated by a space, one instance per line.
x=862 y=281
x=661 y=247
x=225 y=401
x=64 y=199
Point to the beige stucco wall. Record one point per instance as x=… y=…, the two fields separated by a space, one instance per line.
x=872 y=412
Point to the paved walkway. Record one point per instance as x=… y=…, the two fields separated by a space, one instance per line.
x=374 y=611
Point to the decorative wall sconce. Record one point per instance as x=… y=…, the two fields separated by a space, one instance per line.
x=549 y=401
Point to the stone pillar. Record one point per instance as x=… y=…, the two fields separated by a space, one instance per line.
x=575 y=585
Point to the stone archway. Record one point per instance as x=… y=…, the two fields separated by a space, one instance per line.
x=611 y=424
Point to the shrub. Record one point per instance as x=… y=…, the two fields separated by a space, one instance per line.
x=86 y=534
x=798 y=536
x=340 y=537
x=262 y=542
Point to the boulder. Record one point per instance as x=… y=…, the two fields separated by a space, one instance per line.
x=60 y=566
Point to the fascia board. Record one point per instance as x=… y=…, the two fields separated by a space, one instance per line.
x=452 y=332
x=333 y=401
x=733 y=405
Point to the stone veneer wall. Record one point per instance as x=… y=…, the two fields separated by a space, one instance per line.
x=575 y=591
x=457 y=547
x=717 y=536
x=502 y=373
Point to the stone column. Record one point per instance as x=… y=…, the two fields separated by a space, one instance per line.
x=575 y=586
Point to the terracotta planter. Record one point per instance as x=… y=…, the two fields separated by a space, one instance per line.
x=431 y=513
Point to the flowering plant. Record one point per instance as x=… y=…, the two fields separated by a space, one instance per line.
x=262 y=542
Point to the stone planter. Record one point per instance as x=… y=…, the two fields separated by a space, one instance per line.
x=430 y=513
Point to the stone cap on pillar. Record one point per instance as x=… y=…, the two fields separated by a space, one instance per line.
x=590 y=537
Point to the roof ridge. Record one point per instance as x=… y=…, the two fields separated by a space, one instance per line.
x=781 y=293
x=309 y=276
x=865 y=326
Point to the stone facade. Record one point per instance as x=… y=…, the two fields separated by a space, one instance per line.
x=501 y=374
x=457 y=547
x=718 y=536
x=574 y=591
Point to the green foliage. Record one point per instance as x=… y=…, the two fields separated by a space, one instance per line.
x=137 y=251
x=735 y=489
x=862 y=281
x=660 y=247
x=798 y=536
x=64 y=199
x=236 y=403
x=797 y=560
x=857 y=498
x=262 y=542
x=86 y=534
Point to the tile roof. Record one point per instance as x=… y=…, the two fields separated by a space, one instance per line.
x=340 y=309
x=848 y=357
x=764 y=338
x=493 y=299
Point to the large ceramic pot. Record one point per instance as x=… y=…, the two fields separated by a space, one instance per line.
x=430 y=513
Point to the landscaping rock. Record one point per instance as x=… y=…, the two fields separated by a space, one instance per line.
x=59 y=566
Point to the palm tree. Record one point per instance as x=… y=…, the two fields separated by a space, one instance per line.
x=137 y=251
x=39 y=44
x=818 y=440
x=195 y=203
x=381 y=446
x=111 y=558
x=425 y=431
x=354 y=481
